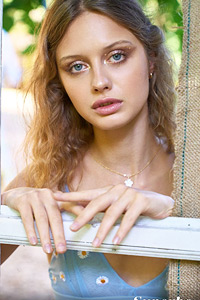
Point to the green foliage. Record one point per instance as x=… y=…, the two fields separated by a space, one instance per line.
x=29 y=50
x=23 y=7
x=167 y=14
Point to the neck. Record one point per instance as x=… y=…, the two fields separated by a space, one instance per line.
x=129 y=148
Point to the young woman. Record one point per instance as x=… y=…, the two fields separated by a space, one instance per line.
x=101 y=141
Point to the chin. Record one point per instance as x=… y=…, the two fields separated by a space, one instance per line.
x=110 y=126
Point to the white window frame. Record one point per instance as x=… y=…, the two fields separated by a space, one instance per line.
x=173 y=237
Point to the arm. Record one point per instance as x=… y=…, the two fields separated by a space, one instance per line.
x=7 y=250
x=37 y=205
x=34 y=204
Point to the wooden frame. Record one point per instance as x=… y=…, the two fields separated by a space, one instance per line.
x=175 y=238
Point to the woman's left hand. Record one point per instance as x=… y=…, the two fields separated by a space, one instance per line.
x=114 y=201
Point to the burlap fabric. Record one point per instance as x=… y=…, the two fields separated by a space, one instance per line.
x=184 y=276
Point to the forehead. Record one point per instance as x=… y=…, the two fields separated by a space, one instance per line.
x=92 y=30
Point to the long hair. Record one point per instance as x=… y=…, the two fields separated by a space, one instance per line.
x=58 y=136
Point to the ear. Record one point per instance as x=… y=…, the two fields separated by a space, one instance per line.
x=151 y=66
x=151 y=59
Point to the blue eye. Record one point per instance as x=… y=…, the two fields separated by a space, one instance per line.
x=78 y=67
x=117 y=56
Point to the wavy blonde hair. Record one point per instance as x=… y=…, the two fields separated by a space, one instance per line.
x=58 y=136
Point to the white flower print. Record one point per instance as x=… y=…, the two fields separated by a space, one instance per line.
x=83 y=254
x=102 y=280
x=62 y=276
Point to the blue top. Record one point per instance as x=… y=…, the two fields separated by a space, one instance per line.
x=88 y=275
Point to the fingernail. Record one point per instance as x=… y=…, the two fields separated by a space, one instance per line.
x=48 y=248
x=33 y=240
x=96 y=242
x=116 y=240
x=74 y=226
x=61 y=247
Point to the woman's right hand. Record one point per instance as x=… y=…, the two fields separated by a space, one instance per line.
x=39 y=204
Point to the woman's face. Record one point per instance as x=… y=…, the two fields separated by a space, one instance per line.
x=105 y=71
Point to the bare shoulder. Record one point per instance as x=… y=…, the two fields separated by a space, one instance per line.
x=18 y=181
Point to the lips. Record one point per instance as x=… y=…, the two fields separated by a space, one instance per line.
x=105 y=102
x=107 y=106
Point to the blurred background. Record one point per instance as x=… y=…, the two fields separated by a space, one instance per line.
x=26 y=270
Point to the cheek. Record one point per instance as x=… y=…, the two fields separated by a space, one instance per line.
x=135 y=81
x=77 y=94
x=75 y=87
x=139 y=71
x=73 y=91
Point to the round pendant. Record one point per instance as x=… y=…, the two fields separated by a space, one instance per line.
x=128 y=182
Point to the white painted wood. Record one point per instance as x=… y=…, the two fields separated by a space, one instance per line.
x=176 y=238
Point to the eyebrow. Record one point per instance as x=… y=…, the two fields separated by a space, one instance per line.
x=118 y=43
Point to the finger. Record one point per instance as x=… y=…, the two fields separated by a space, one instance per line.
x=28 y=222
x=76 y=209
x=109 y=219
x=88 y=213
x=56 y=224
x=42 y=223
x=70 y=207
x=80 y=196
x=99 y=204
x=129 y=219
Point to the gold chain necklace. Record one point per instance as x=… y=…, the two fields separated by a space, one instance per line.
x=128 y=182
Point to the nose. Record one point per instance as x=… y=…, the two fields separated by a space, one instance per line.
x=101 y=81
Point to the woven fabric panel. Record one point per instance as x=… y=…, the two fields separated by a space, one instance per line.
x=184 y=276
